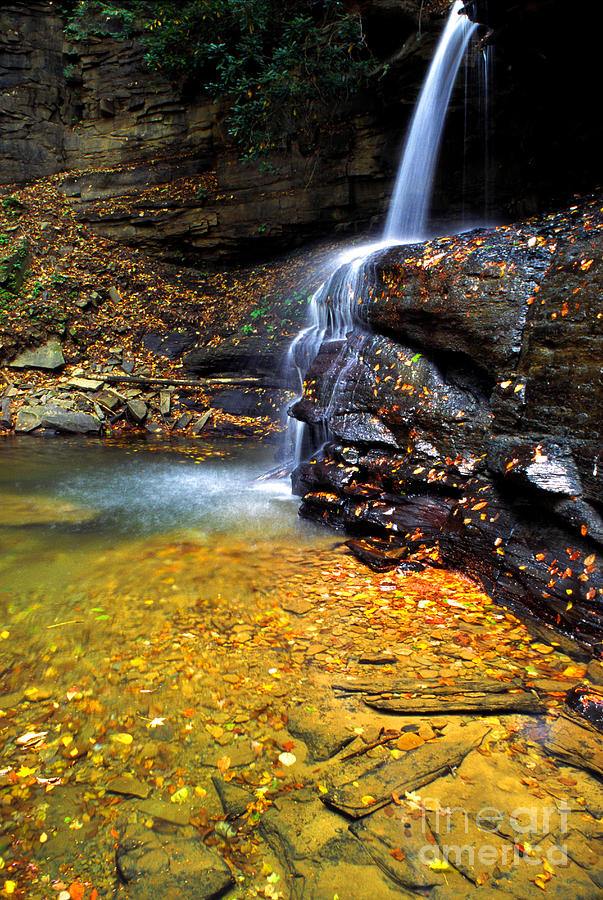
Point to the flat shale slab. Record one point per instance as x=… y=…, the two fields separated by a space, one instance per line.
x=357 y=795
x=576 y=743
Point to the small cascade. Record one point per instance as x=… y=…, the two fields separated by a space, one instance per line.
x=486 y=70
x=331 y=316
x=479 y=70
x=332 y=313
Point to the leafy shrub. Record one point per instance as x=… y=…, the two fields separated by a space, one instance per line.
x=278 y=67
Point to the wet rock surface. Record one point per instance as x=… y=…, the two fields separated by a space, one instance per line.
x=465 y=420
x=155 y=864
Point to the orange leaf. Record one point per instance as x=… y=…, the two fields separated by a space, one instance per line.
x=408 y=741
x=224 y=764
x=398 y=854
x=76 y=890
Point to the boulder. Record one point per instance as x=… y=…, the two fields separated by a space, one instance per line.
x=463 y=414
x=138 y=410
x=48 y=356
x=71 y=421
x=238 y=355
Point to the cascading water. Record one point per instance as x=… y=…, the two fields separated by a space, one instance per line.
x=409 y=206
x=332 y=307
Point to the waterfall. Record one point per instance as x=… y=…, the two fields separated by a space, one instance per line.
x=332 y=307
x=409 y=205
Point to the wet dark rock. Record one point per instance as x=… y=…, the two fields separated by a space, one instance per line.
x=246 y=354
x=467 y=418
x=588 y=703
x=171 y=345
x=171 y=866
x=246 y=402
x=469 y=303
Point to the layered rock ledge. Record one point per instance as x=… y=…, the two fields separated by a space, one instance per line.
x=463 y=414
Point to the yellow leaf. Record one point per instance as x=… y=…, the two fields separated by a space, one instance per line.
x=367 y=800
x=123 y=738
x=439 y=865
x=574 y=671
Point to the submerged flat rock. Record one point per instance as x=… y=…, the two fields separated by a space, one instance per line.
x=170 y=866
x=31 y=510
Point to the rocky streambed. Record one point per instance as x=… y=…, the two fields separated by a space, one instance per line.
x=463 y=413
x=195 y=710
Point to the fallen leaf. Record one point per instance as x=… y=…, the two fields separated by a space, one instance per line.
x=76 y=890
x=439 y=865
x=224 y=764
x=409 y=741
x=287 y=759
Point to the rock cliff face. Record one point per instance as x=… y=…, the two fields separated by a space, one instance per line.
x=463 y=414
x=151 y=169
x=155 y=169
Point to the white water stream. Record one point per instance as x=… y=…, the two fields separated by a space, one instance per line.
x=332 y=307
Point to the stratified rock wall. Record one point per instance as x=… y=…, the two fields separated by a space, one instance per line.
x=464 y=412
x=32 y=91
x=155 y=168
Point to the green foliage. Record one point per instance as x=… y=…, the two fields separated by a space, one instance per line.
x=278 y=67
x=12 y=207
x=98 y=17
